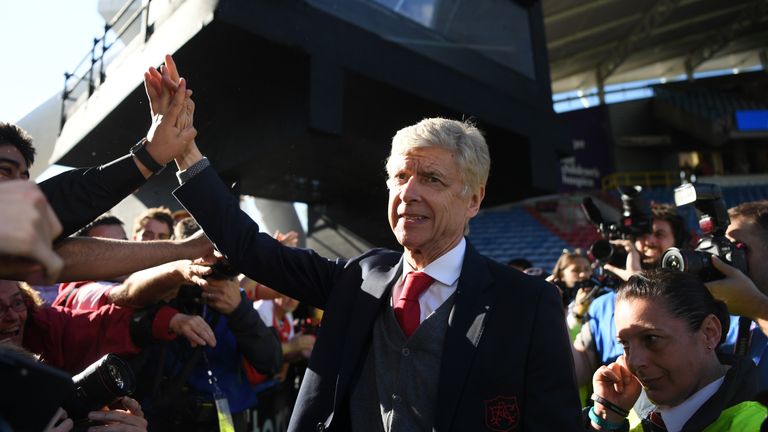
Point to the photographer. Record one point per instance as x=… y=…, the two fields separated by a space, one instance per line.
x=245 y=347
x=596 y=343
x=191 y=378
x=180 y=398
x=644 y=251
x=748 y=296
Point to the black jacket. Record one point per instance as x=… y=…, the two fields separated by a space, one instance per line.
x=506 y=363
x=81 y=195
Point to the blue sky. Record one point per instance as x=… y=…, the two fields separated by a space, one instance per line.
x=41 y=39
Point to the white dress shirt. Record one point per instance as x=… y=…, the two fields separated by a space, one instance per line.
x=445 y=270
x=676 y=417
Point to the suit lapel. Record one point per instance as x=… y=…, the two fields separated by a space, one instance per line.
x=473 y=301
x=374 y=290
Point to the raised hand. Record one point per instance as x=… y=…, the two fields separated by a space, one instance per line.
x=616 y=384
x=160 y=86
x=166 y=139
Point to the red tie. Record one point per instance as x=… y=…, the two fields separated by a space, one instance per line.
x=407 y=309
x=654 y=417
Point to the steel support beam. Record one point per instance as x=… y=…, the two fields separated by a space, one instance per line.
x=750 y=16
x=644 y=29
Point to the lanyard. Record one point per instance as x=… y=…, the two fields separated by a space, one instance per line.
x=222 y=404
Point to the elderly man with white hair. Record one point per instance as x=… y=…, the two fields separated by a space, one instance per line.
x=436 y=337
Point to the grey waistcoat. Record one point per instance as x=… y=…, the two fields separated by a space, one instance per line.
x=397 y=389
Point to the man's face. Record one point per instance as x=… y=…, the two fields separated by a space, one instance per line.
x=108 y=231
x=153 y=230
x=661 y=351
x=12 y=164
x=15 y=315
x=652 y=246
x=427 y=211
x=756 y=248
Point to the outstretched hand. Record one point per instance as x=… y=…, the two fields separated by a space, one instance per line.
x=162 y=85
x=166 y=139
x=164 y=88
x=199 y=248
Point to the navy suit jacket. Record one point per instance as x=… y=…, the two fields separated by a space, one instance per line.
x=81 y=195
x=506 y=362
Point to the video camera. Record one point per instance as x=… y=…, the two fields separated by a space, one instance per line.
x=635 y=221
x=707 y=198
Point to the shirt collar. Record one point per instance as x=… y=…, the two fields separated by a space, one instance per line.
x=445 y=269
x=676 y=417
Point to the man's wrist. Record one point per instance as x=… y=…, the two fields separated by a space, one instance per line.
x=186 y=174
x=606 y=414
x=189 y=157
x=147 y=163
x=605 y=420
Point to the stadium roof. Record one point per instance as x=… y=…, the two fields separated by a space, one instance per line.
x=623 y=41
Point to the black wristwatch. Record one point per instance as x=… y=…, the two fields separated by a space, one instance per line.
x=140 y=151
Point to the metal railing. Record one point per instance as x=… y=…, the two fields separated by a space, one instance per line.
x=642 y=178
x=95 y=57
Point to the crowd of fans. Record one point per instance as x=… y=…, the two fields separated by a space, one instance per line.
x=655 y=349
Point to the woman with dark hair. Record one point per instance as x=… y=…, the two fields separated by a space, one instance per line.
x=670 y=325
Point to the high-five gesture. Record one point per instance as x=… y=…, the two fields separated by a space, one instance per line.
x=163 y=87
x=166 y=139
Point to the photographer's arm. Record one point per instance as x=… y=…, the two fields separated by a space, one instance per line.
x=633 y=261
x=740 y=294
x=155 y=284
x=120 y=257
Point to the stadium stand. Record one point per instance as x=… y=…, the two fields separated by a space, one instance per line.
x=503 y=234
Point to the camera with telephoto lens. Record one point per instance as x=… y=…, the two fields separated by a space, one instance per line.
x=100 y=384
x=635 y=221
x=714 y=221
